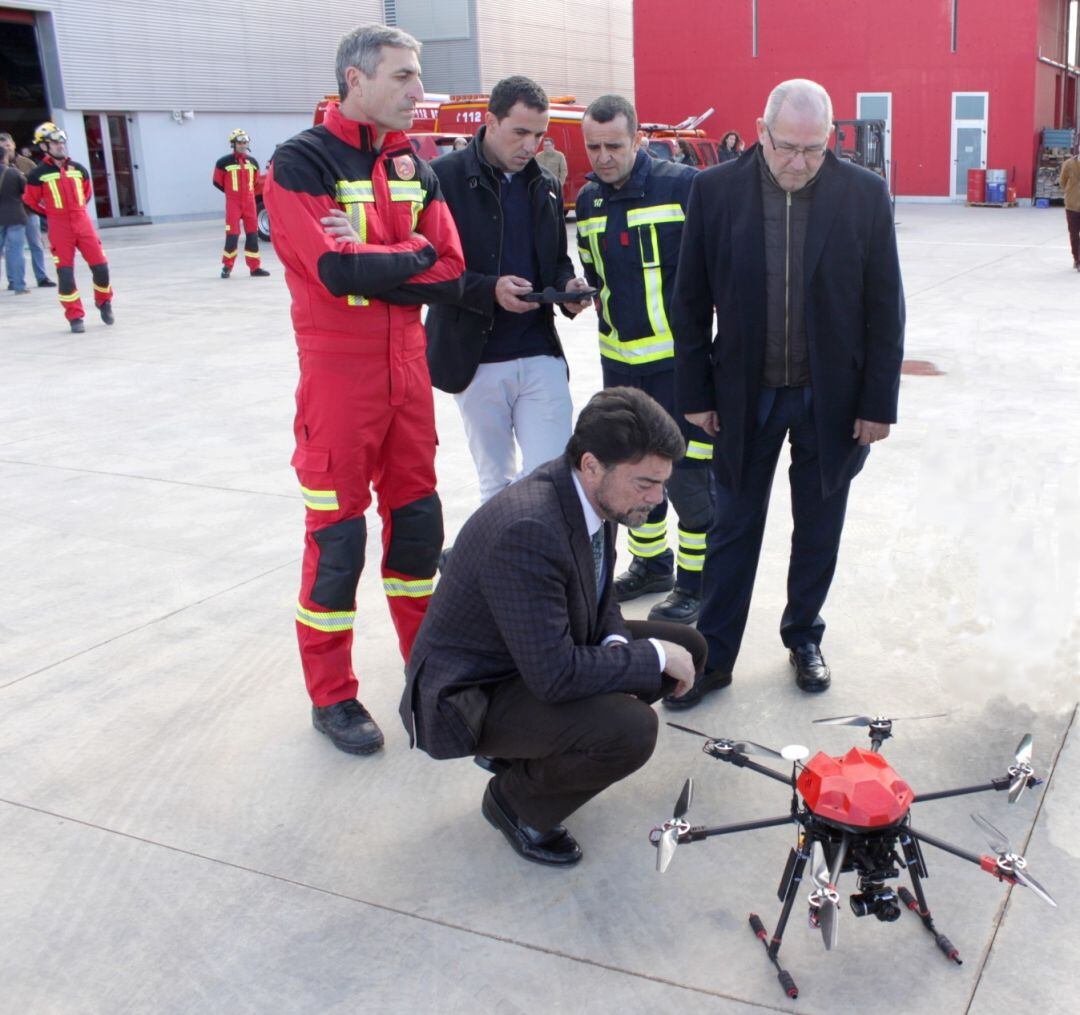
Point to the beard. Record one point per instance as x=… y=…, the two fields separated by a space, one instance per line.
x=631 y=518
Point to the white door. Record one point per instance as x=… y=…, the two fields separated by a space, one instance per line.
x=878 y=106
x=970 y=116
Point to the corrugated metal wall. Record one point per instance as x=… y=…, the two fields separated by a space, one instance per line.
x=584 y=48
x=258 y=55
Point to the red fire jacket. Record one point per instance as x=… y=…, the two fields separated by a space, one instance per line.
x=361 y=297
x=238 y=175
x=58 y=188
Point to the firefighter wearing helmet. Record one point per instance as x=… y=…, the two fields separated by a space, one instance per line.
x=237 y=175
x=60 y=189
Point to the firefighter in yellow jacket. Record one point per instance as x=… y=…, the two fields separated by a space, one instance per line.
x=237 y=175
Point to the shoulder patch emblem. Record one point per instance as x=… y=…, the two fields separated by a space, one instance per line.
x=404 y=167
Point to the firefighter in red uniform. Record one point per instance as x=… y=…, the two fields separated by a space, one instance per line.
x=237 y=176
x=60 y=189
x=365 y=238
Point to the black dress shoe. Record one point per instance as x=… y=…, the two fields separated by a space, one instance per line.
x=259 y=273
x=637 y=581
x=680 y=607
x=705 y=684
x=349 y=726
x=556 y=848
x=46 y=283
x=811 y=673
x=496 y=766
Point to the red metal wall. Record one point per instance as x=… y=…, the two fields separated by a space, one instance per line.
x=690 y=55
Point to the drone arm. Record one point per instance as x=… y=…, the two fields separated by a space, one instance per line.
x=699 y=832
x=740 y=760
x=947 y=847
x=996 y=784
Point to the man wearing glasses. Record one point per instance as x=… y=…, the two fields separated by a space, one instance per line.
x=795 y=253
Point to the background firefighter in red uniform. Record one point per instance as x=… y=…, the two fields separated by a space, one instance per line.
x=365 y=237
x=237 y=176
x=60 y=189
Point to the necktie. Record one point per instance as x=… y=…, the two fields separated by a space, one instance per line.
x=598 y=558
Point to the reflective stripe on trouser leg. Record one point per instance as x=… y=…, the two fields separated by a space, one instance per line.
x=691 y=489
x=103 y=292
x=228 y=255
x=648 y=540
x=409 y=565
x=68 y=294
x=251 y=251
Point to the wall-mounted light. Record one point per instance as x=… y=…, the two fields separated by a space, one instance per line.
x=180 y=115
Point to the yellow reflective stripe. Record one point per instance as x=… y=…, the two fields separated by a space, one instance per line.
x=74 y=174
x=415 y=589
x=230 y=254
x=699 y=450
x=691 y=540
x=639 y=350
x=333 y=620
x=351 y=191
x=406 y=190
x=357 y=301
x=55 y=191
x=70 y=297
x=320 y=500
x=654 y=215
x=417 y=208
x=646 y=549
x=586 y=257
x=103 y=288
x=252 y=255
x=358 y=219
x=689 y=563
x=592 y=226
x=650 y=530
x=47 y=177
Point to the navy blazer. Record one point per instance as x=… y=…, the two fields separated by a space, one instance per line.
x=518 y=599
x=854 y=310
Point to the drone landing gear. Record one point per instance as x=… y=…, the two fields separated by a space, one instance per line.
x=916 y=867
x=789 y=887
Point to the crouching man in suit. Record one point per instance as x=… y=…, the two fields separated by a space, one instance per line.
x=523 y=658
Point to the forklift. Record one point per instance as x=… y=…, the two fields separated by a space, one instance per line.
x=863 y=143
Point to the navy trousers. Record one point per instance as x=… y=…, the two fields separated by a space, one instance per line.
x=733 y=546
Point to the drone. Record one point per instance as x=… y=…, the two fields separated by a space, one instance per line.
x=854 y=816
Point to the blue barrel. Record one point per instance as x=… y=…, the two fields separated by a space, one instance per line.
x=995 y=186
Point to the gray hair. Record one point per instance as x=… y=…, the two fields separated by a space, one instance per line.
x=362 y=48
x=804 y=96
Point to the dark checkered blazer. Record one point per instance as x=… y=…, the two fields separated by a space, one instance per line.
x=518 y=599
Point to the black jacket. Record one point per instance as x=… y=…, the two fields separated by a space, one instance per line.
x=518 y=599
x=853 y=302
x=456 y=334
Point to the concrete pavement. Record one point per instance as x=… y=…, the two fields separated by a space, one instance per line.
x=174 y=837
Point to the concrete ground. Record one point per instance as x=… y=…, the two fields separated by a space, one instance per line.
x=174 y=836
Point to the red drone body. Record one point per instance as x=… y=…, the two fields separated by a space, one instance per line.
x=857 y=791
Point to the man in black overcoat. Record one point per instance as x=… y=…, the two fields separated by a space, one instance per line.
x=793 y=253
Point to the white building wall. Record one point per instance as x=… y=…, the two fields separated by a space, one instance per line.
x=584 y=48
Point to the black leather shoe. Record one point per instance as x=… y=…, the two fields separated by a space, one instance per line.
x=680 y=608
x=811 y=673
x=496 y=766
x=349 y=726
x=637 y=581
x=77 y=326
x=556 y=848
x=714 y=680
x=106 y=312
x=46 y=283
x=260 y=273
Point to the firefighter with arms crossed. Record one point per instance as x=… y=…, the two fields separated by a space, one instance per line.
x=365 y=238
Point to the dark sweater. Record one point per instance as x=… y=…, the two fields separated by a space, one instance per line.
x=12 y=185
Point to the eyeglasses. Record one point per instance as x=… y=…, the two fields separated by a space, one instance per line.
x=789 y=151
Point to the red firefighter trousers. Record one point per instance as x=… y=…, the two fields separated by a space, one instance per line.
x=352 y=433
x=241 y=215
x=68 y=233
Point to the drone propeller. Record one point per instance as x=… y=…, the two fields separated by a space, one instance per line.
x=1009 y=863
x=671 y=830
x=824 y=900
x=793 y=752
x=1022 y=770
x=866 y=720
